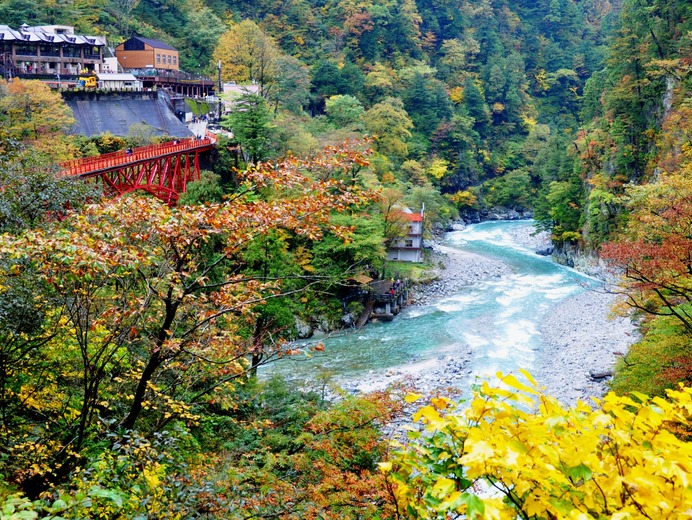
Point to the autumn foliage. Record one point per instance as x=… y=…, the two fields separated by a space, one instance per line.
x=655 y=254
x=144 y=311
x=33 y=113
x=514 y=452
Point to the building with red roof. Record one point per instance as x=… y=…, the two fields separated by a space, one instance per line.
x=408 y=248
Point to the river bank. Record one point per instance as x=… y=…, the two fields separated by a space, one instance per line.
x=579 y=334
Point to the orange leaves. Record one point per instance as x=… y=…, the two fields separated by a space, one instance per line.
x=654 y=254
x=169 y=291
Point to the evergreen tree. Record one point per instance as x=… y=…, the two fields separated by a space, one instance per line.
x=249 y=121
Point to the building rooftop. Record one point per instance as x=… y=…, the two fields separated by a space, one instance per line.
x=157 y=44
x=115 y=77
x=49 y=34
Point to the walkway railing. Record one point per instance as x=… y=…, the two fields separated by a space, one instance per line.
x=388 y=292
x=87 y=166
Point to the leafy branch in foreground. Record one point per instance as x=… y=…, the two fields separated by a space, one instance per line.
x=514 y=452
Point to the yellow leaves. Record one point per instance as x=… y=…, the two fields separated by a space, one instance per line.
x=456 y=95
x=440 y=402
x=542 y=80
x=443 y=487
x=430 y=417
x=385 y=467
x=303 y=258
x=478 y=454
x=412 y=397
x=616 y=460
x=438 y=168
x=463 y=199
x=512 y=381
x=151 y=477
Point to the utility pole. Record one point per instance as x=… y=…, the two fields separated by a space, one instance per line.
x=218 y=94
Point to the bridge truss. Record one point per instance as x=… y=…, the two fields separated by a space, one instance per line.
x=162 y=170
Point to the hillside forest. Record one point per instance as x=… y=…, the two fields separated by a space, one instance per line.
x=131 y=333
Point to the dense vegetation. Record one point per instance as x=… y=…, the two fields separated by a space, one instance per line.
x=131 y=331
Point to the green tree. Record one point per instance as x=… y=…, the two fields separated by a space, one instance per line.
x=364 y=251
x=123 y=11
x=427 y=103
x=292 y=86
x=380 y=82
x=344 y=110
x=457 y=59
x=475 y=103
x=33 y=189
x=390 y=125
x=249 y=120
x=202 y=32
x=512 y=190
x=330 y=78
x=207 y=189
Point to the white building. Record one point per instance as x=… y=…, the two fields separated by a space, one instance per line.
x=48 y=50
x=410 y=247
x=112 y=81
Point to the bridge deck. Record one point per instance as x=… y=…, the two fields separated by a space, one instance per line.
x=97 y=165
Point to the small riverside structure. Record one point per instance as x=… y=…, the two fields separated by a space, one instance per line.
x=389 y=298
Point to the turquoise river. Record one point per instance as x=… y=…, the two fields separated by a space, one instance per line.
x=495 y=323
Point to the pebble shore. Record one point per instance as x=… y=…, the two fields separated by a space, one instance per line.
x=584 y=338
x=580 y=333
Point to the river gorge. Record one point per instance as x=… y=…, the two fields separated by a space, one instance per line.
x=502 y=308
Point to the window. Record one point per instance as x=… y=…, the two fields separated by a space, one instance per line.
x=71 y=51
x=158 y=58
x=169 y=60
x=408 y=243
x=26 y=50
x=50 y=50
x=175 y=60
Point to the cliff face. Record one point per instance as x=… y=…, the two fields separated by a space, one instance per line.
x=97 y=113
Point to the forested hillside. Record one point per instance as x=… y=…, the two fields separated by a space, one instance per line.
x=471 y=94
x=131 y=332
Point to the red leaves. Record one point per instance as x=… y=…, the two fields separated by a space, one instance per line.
x=655 y=255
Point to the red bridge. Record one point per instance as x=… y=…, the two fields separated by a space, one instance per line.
x=160 y=169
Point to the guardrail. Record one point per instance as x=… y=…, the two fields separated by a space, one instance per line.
x=97 y=163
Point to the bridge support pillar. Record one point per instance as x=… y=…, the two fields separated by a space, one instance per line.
x=162 y=170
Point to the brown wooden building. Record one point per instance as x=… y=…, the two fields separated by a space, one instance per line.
x=146 y=53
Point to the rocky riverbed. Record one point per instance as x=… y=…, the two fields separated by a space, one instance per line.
x=455 y=269
x=580 y=335
x=583 y=338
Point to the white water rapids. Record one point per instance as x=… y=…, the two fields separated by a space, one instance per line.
x=494 y=325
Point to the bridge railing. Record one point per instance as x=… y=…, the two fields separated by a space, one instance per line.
x=96 y=163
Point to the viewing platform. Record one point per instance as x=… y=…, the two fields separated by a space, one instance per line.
x=389 y=298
